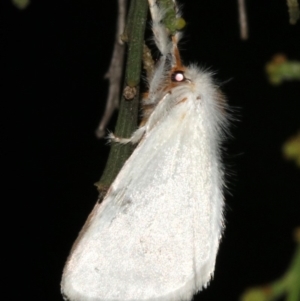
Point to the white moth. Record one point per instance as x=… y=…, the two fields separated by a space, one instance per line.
x=156 y=234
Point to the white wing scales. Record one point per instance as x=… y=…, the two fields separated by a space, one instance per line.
x=156 y=234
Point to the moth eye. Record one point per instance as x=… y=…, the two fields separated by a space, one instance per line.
x=178 y=76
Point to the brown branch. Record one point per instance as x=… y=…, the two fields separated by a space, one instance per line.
x=243 y=19
x=115 y=70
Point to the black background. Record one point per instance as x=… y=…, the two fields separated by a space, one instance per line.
x=55 y=54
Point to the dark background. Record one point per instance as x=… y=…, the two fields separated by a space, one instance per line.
x=55 y=54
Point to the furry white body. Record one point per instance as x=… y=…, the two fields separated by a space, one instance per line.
x=156 y=234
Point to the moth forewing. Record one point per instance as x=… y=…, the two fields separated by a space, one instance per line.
x=156 y=234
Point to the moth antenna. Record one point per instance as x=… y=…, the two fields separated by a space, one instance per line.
x=176 y=59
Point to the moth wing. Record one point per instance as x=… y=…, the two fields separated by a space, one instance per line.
x=156 y=234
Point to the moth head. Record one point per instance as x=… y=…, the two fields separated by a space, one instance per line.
x=194 y=81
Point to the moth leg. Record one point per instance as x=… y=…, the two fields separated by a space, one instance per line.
x=134 y=139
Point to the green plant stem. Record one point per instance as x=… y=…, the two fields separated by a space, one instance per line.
x=289 y=283
x=136 y=31
x=294 y=277
x=128 y=25
x=128 y=112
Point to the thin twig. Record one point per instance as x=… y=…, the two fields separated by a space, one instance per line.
x=294 y=11
x=115 y=70
x=243 y=19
